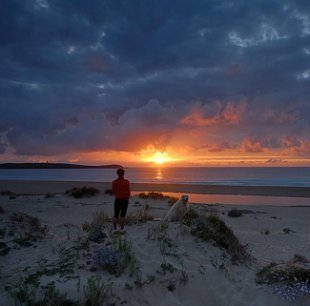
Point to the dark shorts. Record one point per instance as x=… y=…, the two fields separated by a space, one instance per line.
x=120 y=207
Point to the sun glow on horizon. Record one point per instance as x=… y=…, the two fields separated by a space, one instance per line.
x=153 y=156
x=160 y=158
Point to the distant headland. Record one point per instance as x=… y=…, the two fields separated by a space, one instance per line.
x=53 y=166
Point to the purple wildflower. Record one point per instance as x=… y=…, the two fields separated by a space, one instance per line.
x=107 y=257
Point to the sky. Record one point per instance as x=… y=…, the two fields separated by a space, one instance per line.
x=143 y=82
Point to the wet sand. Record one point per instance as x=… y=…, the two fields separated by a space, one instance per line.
x=43 y=187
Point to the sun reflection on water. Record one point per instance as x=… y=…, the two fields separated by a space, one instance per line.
x=159 y=174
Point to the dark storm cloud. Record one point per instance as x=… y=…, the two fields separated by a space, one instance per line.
x=88 y=75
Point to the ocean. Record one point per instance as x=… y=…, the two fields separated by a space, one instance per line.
x=237 y=176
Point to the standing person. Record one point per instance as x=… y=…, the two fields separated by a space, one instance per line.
x=121 y=191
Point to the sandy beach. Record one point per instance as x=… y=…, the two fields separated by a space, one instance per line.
x=168 y=265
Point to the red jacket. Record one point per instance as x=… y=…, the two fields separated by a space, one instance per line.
x=121 y=188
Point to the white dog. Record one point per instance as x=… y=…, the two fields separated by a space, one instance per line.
x=178 y=209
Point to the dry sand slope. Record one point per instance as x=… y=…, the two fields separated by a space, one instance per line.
x=50 y=251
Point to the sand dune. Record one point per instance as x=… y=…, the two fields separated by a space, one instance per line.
x=171 y=267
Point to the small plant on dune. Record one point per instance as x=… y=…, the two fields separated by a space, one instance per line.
x=83 y=192
x=97 y=292
x=21 y=292
x=23 y=239
x=152 y=195
x=64 y=267
x=156 y=232
x=2 y=211
x=27 y=220
x=66 y=261
x=189 y=216
x=127 y=257
x=157 y=196
x=184 y=275
x=96 y=233
x=52 y=296
x=117 y=257
x=288 y=279
x=2 y=231
x=107 y=258
x=25 y=294
x=235 y=213
x=140 y=217
x=100 y=217
x=49 y=195
x=213 y=228
x=171 y=287
x=4 y=249
x=6 y=193
x=86 y=227
x=265 y=231
x=167 y=267
x=108 y=191
x=27 y=228
x=165 y=245
x=288 y=231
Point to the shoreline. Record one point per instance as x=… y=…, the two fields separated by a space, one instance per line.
x=34 y=187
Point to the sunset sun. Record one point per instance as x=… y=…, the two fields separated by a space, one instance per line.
x=160 y=158
x=153 y=156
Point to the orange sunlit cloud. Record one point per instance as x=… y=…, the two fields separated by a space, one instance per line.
x=229 y=114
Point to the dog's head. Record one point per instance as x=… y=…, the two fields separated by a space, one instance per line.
x=184 y=198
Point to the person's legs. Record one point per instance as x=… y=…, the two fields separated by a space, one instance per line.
x=123 y=214
x=117 y=210
x=115 y=221
x=122 y=222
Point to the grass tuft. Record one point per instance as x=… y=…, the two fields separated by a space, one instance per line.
x=157 y=196
x=213 y=228
x=189 y=216
x=140 y=217
x=27 y=229
x=100 y=217
x=97 y=292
